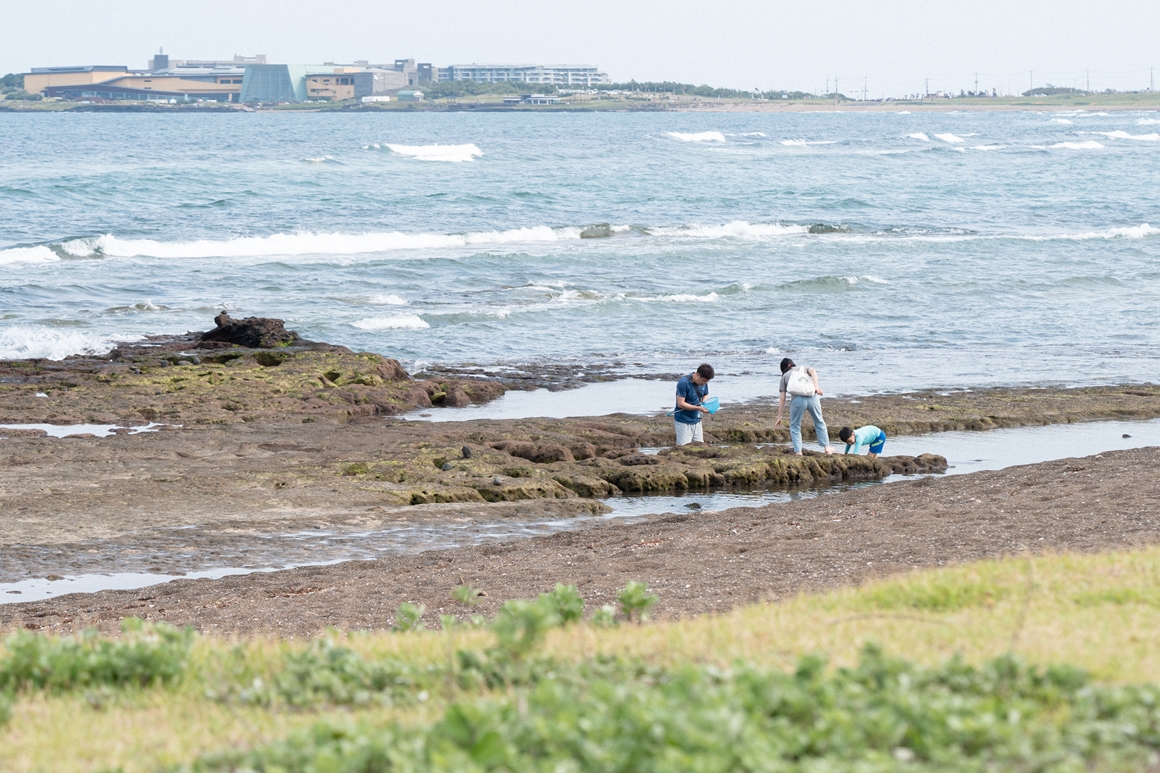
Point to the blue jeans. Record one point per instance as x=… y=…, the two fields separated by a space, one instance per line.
x=799 y=406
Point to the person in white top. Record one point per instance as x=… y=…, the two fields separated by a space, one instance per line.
x=801 y=383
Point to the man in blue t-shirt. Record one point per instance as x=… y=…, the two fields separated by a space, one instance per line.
x=691 y=391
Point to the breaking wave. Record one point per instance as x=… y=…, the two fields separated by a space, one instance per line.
x=697 y=136
x=919 y=136
x=53 y=343
x=400 y=322
x=803 y=143
x=1129 y=232
x=1148 y=122
x=1085 y=145
x=37 y=254
x=451 y=153
x=680 y=298
x=388 y=300
x=307 y=243
x=736 y=229
x=950 y=139
x=1123 y=135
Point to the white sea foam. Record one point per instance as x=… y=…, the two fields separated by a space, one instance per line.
x=452 y=153
x=874 y=280
x=1148 y=122
x=737 y=229
x=1141 y=231
x=322 y=160
x=749 y=134
x=54 y=343
x=1123 y=135
x=950 y=139
x=1085 y=145
x=1129 y=232
x=388 y=300
x=1061 y=120
x=308 y=243
x=401 y=322
x=681 y=298
x=697 y=136
x=37 y=254
x=988 y=147
x=803 y=143
x=919 y=136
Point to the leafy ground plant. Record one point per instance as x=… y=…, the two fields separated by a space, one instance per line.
x=882 y=715
x=465 y=594
x=147 y=653
x=409 y=617
x=635 y=601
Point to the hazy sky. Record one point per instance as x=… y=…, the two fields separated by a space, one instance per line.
x=894 y=44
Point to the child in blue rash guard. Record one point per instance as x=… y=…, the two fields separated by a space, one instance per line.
x=869 y=436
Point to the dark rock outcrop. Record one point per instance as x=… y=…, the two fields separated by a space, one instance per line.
x=539 y=453
x=251 y=332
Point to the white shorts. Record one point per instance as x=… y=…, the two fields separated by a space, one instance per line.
x=688 y=433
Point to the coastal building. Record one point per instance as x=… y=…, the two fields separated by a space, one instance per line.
x=555 y=74
x=532 y=99
x=251 y=79
x=41 y=78
x=183 y=84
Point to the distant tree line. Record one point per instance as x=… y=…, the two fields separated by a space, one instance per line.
x=688 y=89
x=476 y=88
x=1051 y=91
x=12 y=86
x=472 y=88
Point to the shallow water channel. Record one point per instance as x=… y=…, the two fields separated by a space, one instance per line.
x=84 y=572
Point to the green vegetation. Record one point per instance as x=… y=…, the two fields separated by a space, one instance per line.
x=975 y=683
x=688 y=89
x=883 y=714
x=146 y=655
x=1053 y=91
x=12 y=82
x=454 y=89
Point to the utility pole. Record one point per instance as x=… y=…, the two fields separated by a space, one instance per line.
x=863 y=88
x=926 y=92
x=976 y=84
x=1087 y=80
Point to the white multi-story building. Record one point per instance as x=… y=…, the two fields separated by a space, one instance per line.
x=557 y=74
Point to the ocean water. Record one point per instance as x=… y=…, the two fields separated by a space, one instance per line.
x=892 y=251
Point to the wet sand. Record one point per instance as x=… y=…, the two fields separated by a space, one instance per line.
x=262 y=457
x=697 y=562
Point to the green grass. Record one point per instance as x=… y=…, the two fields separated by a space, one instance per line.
x=639 y=691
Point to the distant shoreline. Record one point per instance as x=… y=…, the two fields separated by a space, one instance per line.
x=1112 y=103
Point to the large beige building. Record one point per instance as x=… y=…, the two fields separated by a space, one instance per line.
x=42 y=78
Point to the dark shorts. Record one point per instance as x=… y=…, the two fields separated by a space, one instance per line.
x=877 y=447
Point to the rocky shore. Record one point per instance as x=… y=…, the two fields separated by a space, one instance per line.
x=697 y=563
x=264 y=436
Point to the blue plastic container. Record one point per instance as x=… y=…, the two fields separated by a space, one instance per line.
x=712 y=403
